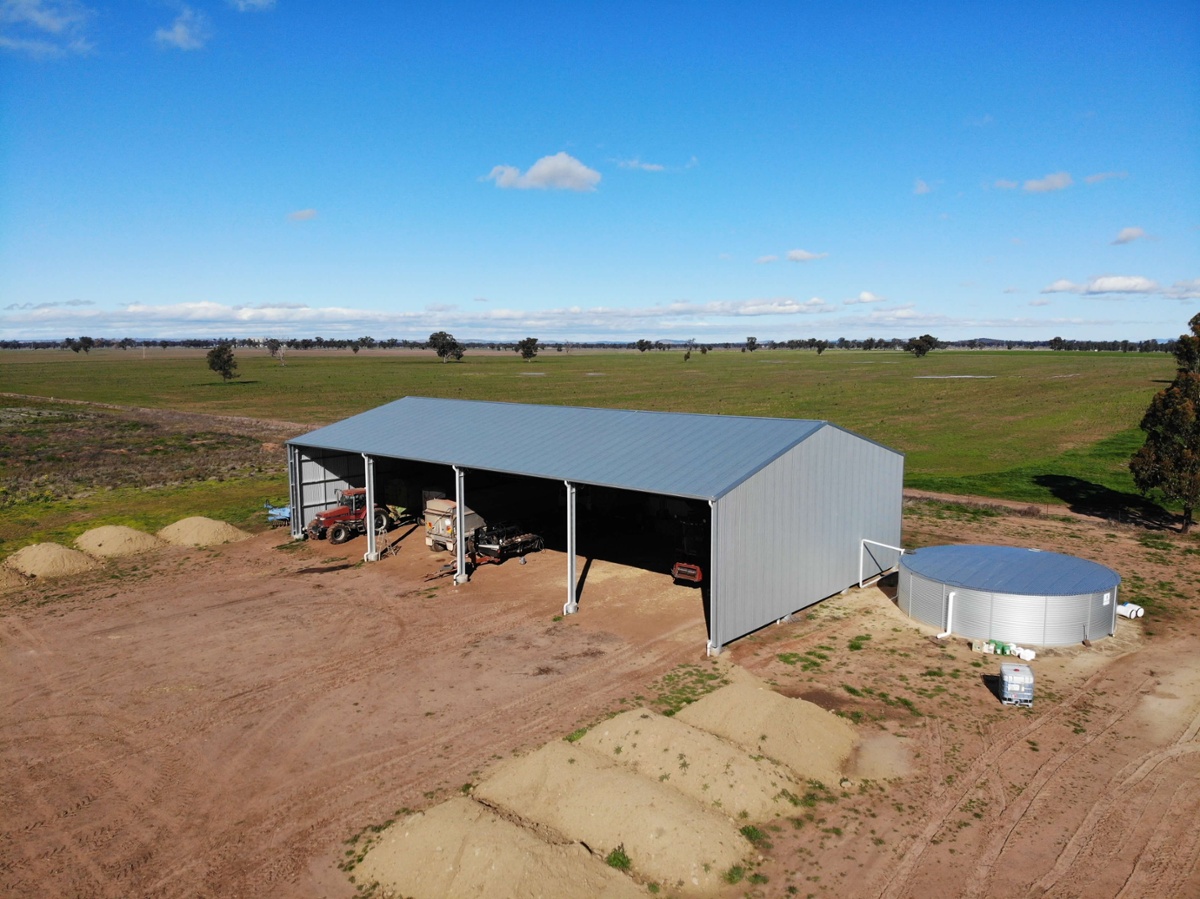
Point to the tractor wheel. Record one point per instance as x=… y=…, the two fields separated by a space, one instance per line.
x=381 y=520
x=339 y=533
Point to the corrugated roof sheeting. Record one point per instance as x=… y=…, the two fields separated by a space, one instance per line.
x=1011 y=569
x=677 y=454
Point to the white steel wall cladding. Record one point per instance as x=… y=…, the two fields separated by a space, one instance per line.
x=789 y=535
x=322 y=474
x=1011 y=617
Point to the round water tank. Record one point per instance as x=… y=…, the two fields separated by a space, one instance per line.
x=1009 y=593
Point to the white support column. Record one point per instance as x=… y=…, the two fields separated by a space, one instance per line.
x=295 y=492
x=460 y=526
x=714 y=648
x=372 y=553
x=572 y=604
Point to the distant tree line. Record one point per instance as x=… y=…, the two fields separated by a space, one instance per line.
x=85 y=344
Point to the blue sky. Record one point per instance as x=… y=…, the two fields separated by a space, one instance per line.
x=599 y=171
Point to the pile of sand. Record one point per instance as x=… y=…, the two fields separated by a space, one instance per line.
x=10 y=580
x=669 y=837
x=460 y=848
x=696 y=763
x=814 y=743
x=116 y=540
x=200 y=531
x=49 y=560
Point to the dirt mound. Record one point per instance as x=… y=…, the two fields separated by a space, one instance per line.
x=460 y=848
x=668 y=837
x=695 y=762
x=814 y=743
x=200 y=531
x=116 y=540
x=10 y=580
x=49 y=560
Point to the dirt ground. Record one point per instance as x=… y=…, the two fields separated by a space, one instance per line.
x=226 y=721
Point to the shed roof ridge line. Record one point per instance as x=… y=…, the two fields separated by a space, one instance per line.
x=438 y=399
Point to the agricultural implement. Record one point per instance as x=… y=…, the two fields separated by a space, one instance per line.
x=278 y=516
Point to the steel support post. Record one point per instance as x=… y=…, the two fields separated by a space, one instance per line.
x=295 y=492
x=372 y=553
x=714 y=605
x=572 y=604
x=460 y=526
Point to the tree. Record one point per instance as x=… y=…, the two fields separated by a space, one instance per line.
x=751 y=344
x=528 y=348
x=919 y=346
x=1169 y=460
x=86 y=344
x=643 y=345
x=221 y=360
x=445 y=346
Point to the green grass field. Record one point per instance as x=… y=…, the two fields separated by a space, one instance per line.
x=1041 y=427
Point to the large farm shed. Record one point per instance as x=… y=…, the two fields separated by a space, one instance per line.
x=779 y=513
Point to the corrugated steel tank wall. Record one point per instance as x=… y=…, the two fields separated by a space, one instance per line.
x=790 y=535
x=1012 y=617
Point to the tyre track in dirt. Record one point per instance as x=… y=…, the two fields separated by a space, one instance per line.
x=950 y=798
x=1117 y=797
x=1014 y=815
x=445 y=756
x=1166 y=863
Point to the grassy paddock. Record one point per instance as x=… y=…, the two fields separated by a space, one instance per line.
x=1033 y=426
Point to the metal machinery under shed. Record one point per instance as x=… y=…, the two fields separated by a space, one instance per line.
x=795 y=510
x=1009 y=593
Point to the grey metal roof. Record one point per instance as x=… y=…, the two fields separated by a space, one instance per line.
x=677 y=454
x=1010 y=569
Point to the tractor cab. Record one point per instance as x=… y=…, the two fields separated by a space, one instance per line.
x=353 y=498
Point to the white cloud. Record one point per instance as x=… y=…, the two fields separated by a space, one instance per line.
x=303 y=215
x=44 y=28
x=1012 y=290
x=1129 y=235
x=804 y=256
x=763 y=260
x=636 y=163
x=1039 y=302
x=1184 y=290
x=1104 y=176
x=481 y=300
x=865 y=297
x=1105 y=284
x=1004 y=184
x=189 y=31
x=558 y=172
x=21 y=307
x=252 y=5
x=921 y=187
x=1052 y=182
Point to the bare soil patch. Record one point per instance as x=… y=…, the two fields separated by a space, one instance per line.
x=813 y=743
x=11 y=580
x=112 y=540
x=222 y=721
x=696 y=763
x=49 y=560
x=582 y=795
x=462 y=849
x=201 y=531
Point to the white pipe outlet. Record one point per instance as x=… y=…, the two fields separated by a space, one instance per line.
x=949 y=616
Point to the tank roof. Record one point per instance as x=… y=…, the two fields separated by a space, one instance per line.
x=1010 y=569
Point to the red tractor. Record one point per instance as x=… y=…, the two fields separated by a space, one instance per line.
x=349 y=519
